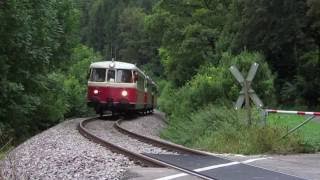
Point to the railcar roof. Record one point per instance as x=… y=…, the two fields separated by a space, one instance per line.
x=118 y=65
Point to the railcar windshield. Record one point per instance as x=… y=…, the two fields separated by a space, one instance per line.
x=124 y=76
x=111 y=75
x=98 y=75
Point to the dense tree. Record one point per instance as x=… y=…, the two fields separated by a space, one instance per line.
x=188 y=32
x=132 y=36
x=109 y=27
x=287 y=32
x=102 y=28
x=275 y=28
x=313 y=22
x=36 y=37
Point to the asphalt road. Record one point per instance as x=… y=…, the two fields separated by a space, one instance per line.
x=305 y=166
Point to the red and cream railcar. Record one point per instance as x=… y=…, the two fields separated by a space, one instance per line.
x=120 y=87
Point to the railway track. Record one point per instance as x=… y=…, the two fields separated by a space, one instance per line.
x=140 y=158
x=152 y=152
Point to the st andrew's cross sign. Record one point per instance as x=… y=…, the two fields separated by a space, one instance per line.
x=247 y=92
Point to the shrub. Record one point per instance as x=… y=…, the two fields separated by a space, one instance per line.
x=221 y=129
x=216 y=85
x=6 y=133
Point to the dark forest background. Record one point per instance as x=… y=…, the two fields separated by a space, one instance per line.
x=187 y=46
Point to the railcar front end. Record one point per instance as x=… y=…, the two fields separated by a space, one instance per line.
x=116 y=87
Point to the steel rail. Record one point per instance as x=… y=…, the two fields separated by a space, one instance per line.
x=139 y=158
x=159 y=142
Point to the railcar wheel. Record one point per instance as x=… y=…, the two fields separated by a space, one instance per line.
x=99 y=110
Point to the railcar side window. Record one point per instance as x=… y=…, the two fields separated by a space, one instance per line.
x=98 y=75
x=141 y=83
x=111 y=76
x=124 y=76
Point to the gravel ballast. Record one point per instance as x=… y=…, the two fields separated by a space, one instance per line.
x=150 y=125
x=105 y=130
x=62 y=152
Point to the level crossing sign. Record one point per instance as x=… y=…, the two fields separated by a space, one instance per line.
x=247 y=92
x=246 y=86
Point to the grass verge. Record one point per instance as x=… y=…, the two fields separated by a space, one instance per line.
x=5 y=149
x=223 y=130
x=310 y=132
x=4 y=152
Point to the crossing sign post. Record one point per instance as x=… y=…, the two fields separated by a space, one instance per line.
x=247 y=92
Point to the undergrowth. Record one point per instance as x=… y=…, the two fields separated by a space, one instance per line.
x=224 y=130
x=310 y=132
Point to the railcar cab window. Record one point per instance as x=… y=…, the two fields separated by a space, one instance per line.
x=111 y=75
x=124 y=76
x=98 y=75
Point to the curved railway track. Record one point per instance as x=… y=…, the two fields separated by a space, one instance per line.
x=139 y=157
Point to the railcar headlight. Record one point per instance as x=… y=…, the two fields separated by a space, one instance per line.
x=124 y=93
x=96 y=91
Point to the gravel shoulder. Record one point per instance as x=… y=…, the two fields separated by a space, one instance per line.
x=62 y=153
x=150 y=125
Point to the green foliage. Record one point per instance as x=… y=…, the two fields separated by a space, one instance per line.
x=131 y=26
x=75 y=81
x=187 y=45
x=196 y=123
x=216 y=85
x=290 y=31
x=117 y=29
x=102 y=29
x=308 y=80
x=51 y=108
x=6 y=133
x=304 y=90
x=43 y=77
x=309 y=133
x=118 y=25
x=189 y=32
x=313 y=22
x=221 y=129
x=281 y=39
x=33 y=43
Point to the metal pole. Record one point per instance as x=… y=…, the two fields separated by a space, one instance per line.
x=303 y=123
x=247 y=101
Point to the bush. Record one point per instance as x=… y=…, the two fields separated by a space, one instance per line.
x=216 y=85
x=6 y=133
x=56 y=96
x=75 y=81
x=200 y=112
x=221 y=129
x=302 y=92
